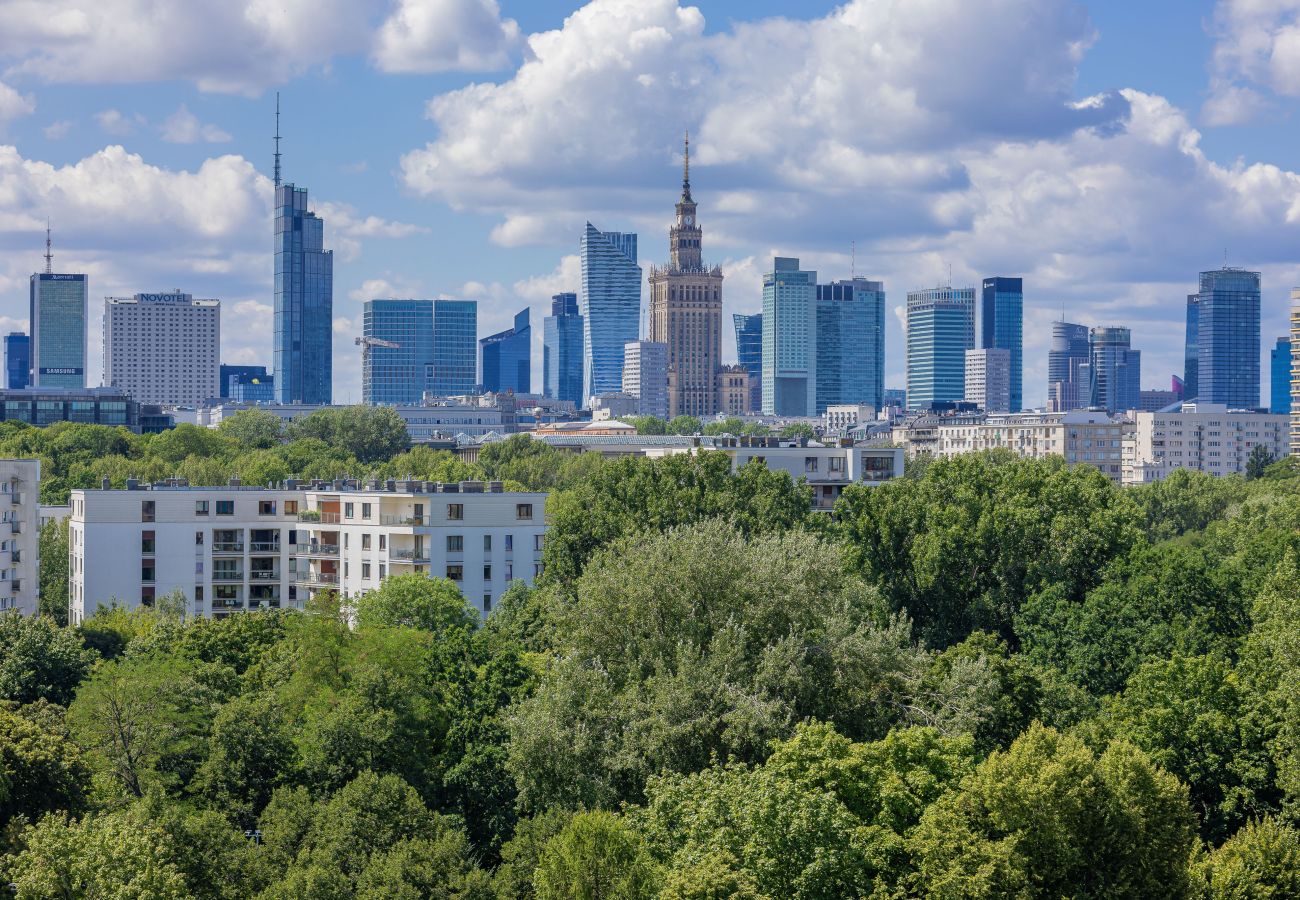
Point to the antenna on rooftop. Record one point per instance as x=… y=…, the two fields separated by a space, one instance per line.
x=853 y=260
x=49 y=254
x=277 y=139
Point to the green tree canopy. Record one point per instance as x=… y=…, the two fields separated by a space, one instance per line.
x=39 y=660
x=253 y=429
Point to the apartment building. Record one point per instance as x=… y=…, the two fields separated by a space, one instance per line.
x=1203 y=437
x=234 y=548
x=20 y=506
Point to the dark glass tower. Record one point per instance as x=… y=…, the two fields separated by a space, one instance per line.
x=18 y=360
x=304 y=302
x=562 y=350
x=397 y=375
x=850 y=343
x=1191 y=355
x=1002 y=326
x=749 y=353
x=1114 y=370
x=1228 y=338
x=507 y=357
x=1067 y=352
x=1280 y=377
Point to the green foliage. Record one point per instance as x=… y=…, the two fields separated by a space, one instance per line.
x=41 y=769
x=648 y=424
x=798 y=430
x=253 y=429
x=1260 y=862
x=39 y=660
x=684 y=425
x=1258 y=462
x=370 y=433
x=415 y=601
x=1184 y=501
x=536 y=464
x=54 y=571
x=595 y=856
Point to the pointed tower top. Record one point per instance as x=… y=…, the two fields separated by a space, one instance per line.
x=686 y=168
x=49 y=254
x=277 y=139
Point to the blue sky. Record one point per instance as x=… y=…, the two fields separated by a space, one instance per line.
x=1105 y=151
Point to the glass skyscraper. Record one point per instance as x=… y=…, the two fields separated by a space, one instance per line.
x=1114 y=370
x=610 y=305
x=850 y=343
x=749 y=353
x=455 y=339
x=562 y=350
x=1067 y=352
x=1227 y=337
x=18 y=360
x=940 y=329
x=397 y=375
x=58 y=323
x=1002 y=327
x=1191 y=354
x=227 y=374
x=507 y=357
x=304 y=302
x=1280 y=377
x=789 y=340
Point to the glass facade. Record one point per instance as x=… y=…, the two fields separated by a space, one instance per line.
x=1227 y=337
x=1067 y=352
x=455 y=341
x=507 y=357
x=610 y=305
x=45 y=406
x=749 y=353
x=850 y=343
x=1114 y=370
x=252 y=388
x=789 y=340
x=562 y=350
x=1280 y=377
x=397 y=375
x=58 y=323
x=940 y=329
x=228 y=373
x=18 y=360
x=1191 y=354
x=1002 y=326
x=304 y=302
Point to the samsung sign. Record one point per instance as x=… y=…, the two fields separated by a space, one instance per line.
x=61 y=371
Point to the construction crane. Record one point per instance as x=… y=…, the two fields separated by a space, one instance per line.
x=366 y=343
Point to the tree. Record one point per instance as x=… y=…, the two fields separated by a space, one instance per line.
x=39 y=660
x=415 y=601
x=1262 y=860
x=596 y=856
x=647 y=424
x=54 y=570
x=250 y=754
x=684 y=425
x=41 y=769
x=730 y=425
x=370 y=433
x=253 y=429
x=798 y=430
x=1184 y=501
x=1258 y=462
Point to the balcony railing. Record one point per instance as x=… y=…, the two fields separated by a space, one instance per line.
x=263 y=575
x=16 y=527
x=403 y=520
x=419 y=556
x=316 y=549
x=313 y=515
x=265 y=546
x=227 y=546
x=227 y=576
x=323 y=579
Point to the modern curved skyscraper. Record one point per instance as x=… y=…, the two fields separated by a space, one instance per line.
x=610 y=305
x=1228 y=338
x=304 y=302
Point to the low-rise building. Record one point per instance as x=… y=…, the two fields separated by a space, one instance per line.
x=1202 y=437
x=841 y=418
x=93 y=406
x=734 y=394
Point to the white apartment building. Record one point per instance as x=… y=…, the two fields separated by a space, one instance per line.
x=1203 y=437
x=1089 y=437
x=645 y=376
x=235 y=548
x=20 y=538
x=163 y=348
x=840 y=418
x=988 y=379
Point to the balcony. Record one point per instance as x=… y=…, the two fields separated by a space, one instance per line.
x=227 y=547
x=313 y=515
x=227 y=604
x=329 y=550
x=411 y=556
x=228 y=576
x=265 y=546
x=403 y=520
x=263 y=575
x=16 y=556
x=317 y=579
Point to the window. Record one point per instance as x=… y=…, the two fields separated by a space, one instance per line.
x=198 y=593
x=523 y=510
x=147 y=570
x=345 y=540
x=487 y=543
x=455 y=511
x=365 y=510
x=810 y=464
x=365 y=542
x=538 y=540
x=198 y=539
x=146 y=510
x=146 y=595
x=455 y=543
x=348 y=510
x=510 y=542
x=225 y=507
x=456 y=573
x=291 y=507
x=487 y=603
x=266 y=507
x=487 y=573
x=510 y=571
x=365 y=570
x=383 y=541
x=837 y=464
x=200 y=507
x=537 y=570
x=383 y=570
x=147 y=541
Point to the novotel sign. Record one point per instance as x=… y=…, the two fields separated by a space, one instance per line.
x=162 y=298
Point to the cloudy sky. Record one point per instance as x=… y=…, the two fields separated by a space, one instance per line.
x=1106 y=151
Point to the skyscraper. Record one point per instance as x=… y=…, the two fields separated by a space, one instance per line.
x=610 y=305
x=507 y=357
x=940 y=329
x=988 y=379
x=1280 y=377
x=1066 y=354
x=227 y=373
x=850 y=343
x=562 y=350
x=749 y=353
x=686 y=312
x=1191 y=354
x=1295 y=372
x=18 y=360
x=645 y=376
x=397 y=375
x=304 y=301
x=1114 y=370
x=163 y=348
x=789 y=340
x=455 y=337
x=1228 y=338
x=1002 y=326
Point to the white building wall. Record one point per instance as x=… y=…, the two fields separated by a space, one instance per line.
x=988 y=379
x=645 y=376
x=163 y=348
x=20 y=504
x=1203 y=437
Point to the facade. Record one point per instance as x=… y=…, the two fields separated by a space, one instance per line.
x=1067 y=353
x=401 y=374
x=1202 y=437
x=226 y=373
x=1002 y=327
x=94 y=406
x=1154 y=401
x=18 y=360
x=562 y=350
x=1114 y=370
x=645 y=377
x=988 y=379
x=733 y=391
x=58 y=328
x=252 y=389
x=455 y=340
x=841 y=418
x=610 y=306
x=304 y=301
x=507 y=357
x=235 y=548
x=1191 y=351
x=850 y=343
x=20 y=535
x=1082 y=437
x=1280 y=377
x=438 y=421
x=686 y=312
x=163 y=348
x=789 y=339
x=1228 y=338
x=1295 y=372
x=940 y=329
x=749 y=353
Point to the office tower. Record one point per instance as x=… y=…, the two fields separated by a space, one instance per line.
x=988 y=379
x=397 y=376
x=686 y=312
x=610 y=305
x=227 y=373
x=252 y=388
x=749 y=353
x=895 y=398
x=57 y=307
x=1280 y=377
x=850 y=343
x=1295 y=372
x=163 y=348
x=1066 y=354
x=304 y=301
x=1191 y=354
x=1114 y=370
x=507 y=357
x=940 y=329
x=455 y=337
x=645 y=376
x=789 y=340
x=1227 y=338
x=18 y=360
x=1002 y=326
x=562 y=350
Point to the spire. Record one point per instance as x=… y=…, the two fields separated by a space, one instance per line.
x=49 y=254
x=686 y=168
x=277 y=139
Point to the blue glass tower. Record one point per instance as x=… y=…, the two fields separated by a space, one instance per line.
x=940 y=329
x=507 y=357
x=1002 y=327
x=455 y=340
x=789 y=340
x=229 y=373
x=562 y=350
x=610 y=305
x=1191 y=353
x=1114 y=370
x=1228 y=338
x=18 y=360
x=1280 y=377
x=850 y=343
x=304 y=302
x=397 y=375
x=749 y=353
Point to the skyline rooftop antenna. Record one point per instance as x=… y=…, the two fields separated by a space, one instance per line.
x=277 y=140
x=853 y=260
x=49 y=253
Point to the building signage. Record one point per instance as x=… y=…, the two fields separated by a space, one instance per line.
x=60 y=371
x=162 y=298
x=45 y=276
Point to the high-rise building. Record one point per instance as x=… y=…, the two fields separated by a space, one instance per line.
x=850 y=343
x=1280 y=377
x=1227 y=337
x=252 y=388
x=1191 y=353
x=610 y=305
x=455 y=338
x=57 y=307
x=227 y=373
x=18 y=360
x=562 y=350
x=397 y=376
x=163 y=348
x=1066 y=354
x=507 y=357
x=940 y=329
x=1295 y=372
x=789 y=340
x=1114 y=370
x=686 y=312
x=645 y=376
x=304 y=301
x=1002 y=327
x=749 y=353
x=988 y=379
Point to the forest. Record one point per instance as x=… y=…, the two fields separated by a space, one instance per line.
x=992 y=678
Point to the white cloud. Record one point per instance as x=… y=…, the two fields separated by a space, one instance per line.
x=344 y=220
x=114 y=122
x=1256 y=42
x=57 y=131
x=440 y=35
x=183 y=127
x=390 y=286
x=14 y=105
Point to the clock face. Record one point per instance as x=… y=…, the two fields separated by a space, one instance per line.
x=690 y=220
